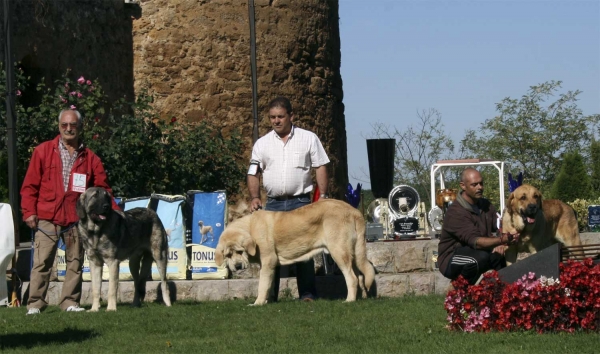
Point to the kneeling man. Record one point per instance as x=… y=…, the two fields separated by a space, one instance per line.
x=467 y=246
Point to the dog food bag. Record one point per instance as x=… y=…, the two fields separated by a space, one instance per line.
x=207 y=222
x=170 y=210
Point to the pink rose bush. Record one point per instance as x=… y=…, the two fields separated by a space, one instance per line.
x=80 y=94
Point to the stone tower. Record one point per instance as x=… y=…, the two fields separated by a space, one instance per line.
x=194 y=56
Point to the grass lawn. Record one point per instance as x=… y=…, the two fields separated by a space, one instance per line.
x=412 y=324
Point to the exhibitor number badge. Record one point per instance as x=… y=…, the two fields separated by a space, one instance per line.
x=79 y=182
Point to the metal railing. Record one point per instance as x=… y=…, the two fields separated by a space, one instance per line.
x=579 y=253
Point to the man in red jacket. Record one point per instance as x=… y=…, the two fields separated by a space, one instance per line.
x=467 y=245
x=60 y=170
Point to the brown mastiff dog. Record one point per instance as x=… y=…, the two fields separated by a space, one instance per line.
x=539 y=223
x=275 y=237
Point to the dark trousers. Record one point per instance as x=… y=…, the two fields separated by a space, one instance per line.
x=471 y=263
x=305 y=271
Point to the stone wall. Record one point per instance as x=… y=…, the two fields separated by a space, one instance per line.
x=91 y=38
x=194 y=57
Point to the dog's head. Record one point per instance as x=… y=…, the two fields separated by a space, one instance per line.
x=445 y=197
x=234 y=247
x=95 y=204
x=525 y=201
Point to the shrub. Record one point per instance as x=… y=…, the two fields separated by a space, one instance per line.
x=141 y=153
x=595 y=162
x=581 y=209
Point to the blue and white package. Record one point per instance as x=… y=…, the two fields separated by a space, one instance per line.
x=170 y=210
x=207 y=222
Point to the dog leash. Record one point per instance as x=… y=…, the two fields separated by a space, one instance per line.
x=57 y=233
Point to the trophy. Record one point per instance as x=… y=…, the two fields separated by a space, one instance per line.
x=404 y=204
x=379 y=219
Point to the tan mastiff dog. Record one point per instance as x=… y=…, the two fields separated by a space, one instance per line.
x=540 y=223
x=275 y=237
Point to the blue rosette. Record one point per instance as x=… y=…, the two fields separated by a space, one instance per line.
x=514 y=184
x=353 y=195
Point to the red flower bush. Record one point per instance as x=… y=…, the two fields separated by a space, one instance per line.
x=544 y=305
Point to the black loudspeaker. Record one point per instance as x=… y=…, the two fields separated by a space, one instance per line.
x=545 y=262
x=381 y=165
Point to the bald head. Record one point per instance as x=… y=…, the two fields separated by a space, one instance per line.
x=468 y=173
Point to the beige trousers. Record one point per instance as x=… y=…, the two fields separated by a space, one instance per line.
x=44 y=253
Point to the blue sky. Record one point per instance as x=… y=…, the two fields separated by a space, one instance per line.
x=400 y=57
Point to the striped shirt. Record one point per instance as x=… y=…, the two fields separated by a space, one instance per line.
x=286 y=166
x=67 y=161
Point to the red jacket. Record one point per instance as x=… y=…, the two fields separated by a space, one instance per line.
x=43 y=192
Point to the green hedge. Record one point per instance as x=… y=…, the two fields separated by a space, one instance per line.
x=141 y=153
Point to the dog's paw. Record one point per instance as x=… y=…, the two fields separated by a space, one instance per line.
x=93 y=310
x=111 y=308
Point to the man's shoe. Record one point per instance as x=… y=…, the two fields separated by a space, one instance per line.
x=33 y=311
x=75 y=308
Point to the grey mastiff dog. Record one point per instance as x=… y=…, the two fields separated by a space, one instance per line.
x=110 y=236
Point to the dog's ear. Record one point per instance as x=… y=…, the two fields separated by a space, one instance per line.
x=249 y=244
x=509 y=205
x=80 y=207
x=219 y=255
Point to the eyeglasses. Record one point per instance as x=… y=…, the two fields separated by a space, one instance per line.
x=65 y=125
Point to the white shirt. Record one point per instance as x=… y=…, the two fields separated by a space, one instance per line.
x=286 y=166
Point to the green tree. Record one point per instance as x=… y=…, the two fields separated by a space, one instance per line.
x=530 y=134
x=595 y=166
x=418 y=146
x=572 y=181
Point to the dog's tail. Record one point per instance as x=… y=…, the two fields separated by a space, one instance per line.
x=360 y=253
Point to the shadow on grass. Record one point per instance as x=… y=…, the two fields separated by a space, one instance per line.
x=32 y=339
